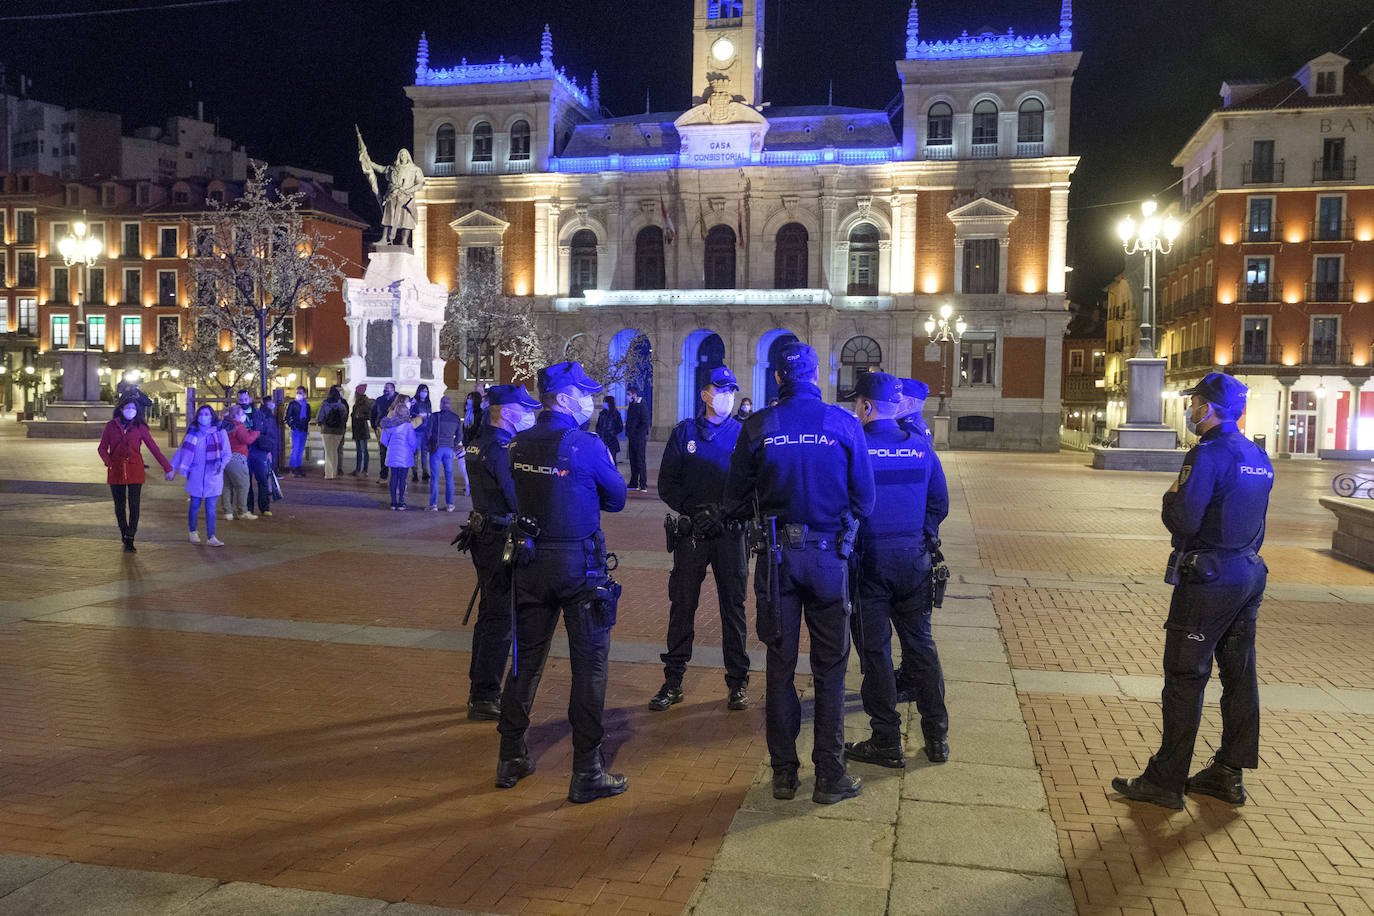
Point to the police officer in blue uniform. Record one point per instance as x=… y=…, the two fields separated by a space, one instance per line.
x=493 y=511
x=691 y=480
x=909 y=416
x=805 y=464
x=1215 y=511
x=895 y=546
x=564 y=479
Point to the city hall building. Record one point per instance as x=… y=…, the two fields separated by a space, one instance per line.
x=717 y=233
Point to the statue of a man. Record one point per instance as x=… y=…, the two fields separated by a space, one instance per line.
x=403 y=180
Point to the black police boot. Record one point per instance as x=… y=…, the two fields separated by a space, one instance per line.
x=828 y=793
x=871 y=751
x=591 y=781
x=1219 y=781
x=1138 y=788
x=937 y=750
x=785 y=783
x=667 y=695
x=739 y=698
x=484 y=710
x=129 y=544
x=509 y=772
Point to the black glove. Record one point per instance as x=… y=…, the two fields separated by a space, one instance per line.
x=707 y=523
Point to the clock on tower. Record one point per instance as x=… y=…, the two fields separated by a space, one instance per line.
x=727 y=40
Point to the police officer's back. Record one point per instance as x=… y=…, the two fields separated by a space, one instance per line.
x=563 y=479
x=913 y=402
x=805 y=464
x=1215 y=513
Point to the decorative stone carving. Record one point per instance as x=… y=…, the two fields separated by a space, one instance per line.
x=394 y=315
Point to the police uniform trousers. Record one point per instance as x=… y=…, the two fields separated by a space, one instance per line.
x=1206 y=621
x=491 y=633
x=894 y=593
x=813 y=583
x=556 y=580
x=730 y=565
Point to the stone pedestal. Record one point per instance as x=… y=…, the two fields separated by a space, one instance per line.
x=394 y=316
x=80 y=414
x=1143 y=442
x=940 y=430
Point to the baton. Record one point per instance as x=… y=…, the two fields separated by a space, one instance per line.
x=471 y=601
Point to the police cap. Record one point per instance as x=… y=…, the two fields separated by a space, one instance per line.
x=915 y=388
x=567 y=374
x=1225 y=391
x=724 y=379
x=797 y=360
x=500 y=395
x=878 y=386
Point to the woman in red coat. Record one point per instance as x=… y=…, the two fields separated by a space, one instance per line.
x=121 y=448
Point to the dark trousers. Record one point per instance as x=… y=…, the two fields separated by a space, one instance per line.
x=1211 y=621
x=126 y=496
x=894 y=594
x=639 y=466
x=360 y=456
x=557 y=581
x=491 y=633
x=398 y=487
x=261 y=470
x=730 y=565
x=381 y=460
x=812 y=583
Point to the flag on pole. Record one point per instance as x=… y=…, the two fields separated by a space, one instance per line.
x=669 y=230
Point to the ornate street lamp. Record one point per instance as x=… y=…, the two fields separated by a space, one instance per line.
x=80 y=249
x=944 y=330
x=1151 y=237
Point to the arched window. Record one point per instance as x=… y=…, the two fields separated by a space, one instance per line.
x=445 y=143
x=790 y=257
x=720 y=257
x=1030 y=122
x=583 y=264
x=985 y=123
x=481 y=142
x=649 y=269
x=857 y=356
x=520 y=140
x=940 y=125
x=863 y=260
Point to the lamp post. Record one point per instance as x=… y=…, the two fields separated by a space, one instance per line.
x=80 y=249
x=943 y=330
x=1151 y=237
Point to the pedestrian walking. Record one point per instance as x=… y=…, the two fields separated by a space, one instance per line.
x=563 y=479
x=401 y=441
x=420 y=409
x=1215 y=511
x=381 y=409
x=805 y=465
x=609 y=426
x=262 y=455
x=897 y=542
x=203 y=455
x=298 y=415
x=746 y=407
x=443 y=437
x=333 y=423
x=237 y=476
x=636 y=439
x=362 y=429
x=691 y=480
x=121 y=449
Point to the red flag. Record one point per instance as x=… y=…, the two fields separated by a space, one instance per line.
x=669 y=230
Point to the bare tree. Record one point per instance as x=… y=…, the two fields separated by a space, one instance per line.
x=482 y=322
x=254 y=264
x=201 y=360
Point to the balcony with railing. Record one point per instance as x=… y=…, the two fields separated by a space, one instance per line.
x=1328 y=231
x=1333 y=170
x=444 y=170
x=1326 y=353
x=519 y=166
x=1030 y=149
x=1196 y=357
x=1257 y=292
x=940 y=150
x=1262 y=172
x=1257 y=232
x=985 y=151
x=1257 y=354
x=482 y=168
x=1328 y=291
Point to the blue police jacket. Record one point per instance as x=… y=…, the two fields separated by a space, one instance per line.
x=807 y=461
x=910 y=485
x=1223 y=493
x=564 y=477
x=489 y=474
x=696 y=463
x=915 y=424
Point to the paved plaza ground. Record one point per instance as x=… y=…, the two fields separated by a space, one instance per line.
x=278 y=727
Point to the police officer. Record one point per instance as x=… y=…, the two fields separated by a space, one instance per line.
x=1215 y=511
x=914 y=649
x=895 y=547
x=909 y=417
x=806 y=465
x=493 y=510
x=691 y=480
x=563 y=479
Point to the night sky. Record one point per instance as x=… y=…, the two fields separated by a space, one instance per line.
x=288 y=78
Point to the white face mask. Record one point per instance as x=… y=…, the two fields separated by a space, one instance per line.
x=130 y=412
x=723 y=403
x=1193 y=424
x=586 y=408
x=524 y=421
x=204 y=419
x=301 y=398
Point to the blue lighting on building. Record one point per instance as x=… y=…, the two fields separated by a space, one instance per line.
x=989 y=44
x=500 y=72
x=662 y=163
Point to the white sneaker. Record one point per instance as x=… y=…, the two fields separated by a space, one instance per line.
x=228 y=516
x=450 y=508
x=433 y=508
x=195 y=538
x=215 y=542
x=247 y=515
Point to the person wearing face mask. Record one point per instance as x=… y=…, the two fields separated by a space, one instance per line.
x=121 y=449
x=203 y=455
x=381 y=409
x=487 y=458
x=563 y=480
x=235 y=498
x=909 y=412
x=896 y=544
x=262 y=455
x=420 y=409
x=636 y=439
x=1215 y=512
x=609 y=426
x=298 y=421
x=746 y=407
x=691 y=480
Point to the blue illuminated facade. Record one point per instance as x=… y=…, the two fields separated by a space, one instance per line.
x=989 y=44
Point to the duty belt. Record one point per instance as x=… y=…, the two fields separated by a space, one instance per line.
x=801 y=537
x=497 y=523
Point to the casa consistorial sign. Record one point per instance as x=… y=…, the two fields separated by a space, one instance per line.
x=722 y=132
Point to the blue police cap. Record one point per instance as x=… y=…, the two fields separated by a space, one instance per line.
x=878 y=386
x=510 y=394
x=1225 y=391
x=722 y=377
x=567 y=374
x=915 y=388
x=797 y=360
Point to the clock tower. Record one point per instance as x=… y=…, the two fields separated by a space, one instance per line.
x=727 y=40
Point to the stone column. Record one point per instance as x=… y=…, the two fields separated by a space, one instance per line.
x=958 y=265
x=1353 y=440
x=1059 y=229
x=542 y=286
x=1286 y=383
x=827 y=242
x=1003 y=281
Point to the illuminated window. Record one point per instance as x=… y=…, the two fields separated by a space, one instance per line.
x=28 y=315
x=985 y=123
x=61 y=332
x=520 y=140
x=132 y=332
x=857 y=356
x=583 y=262
x=863 y=260
x=167 y=287
x=940 y=125
x=95 y=331
x=1030 y=122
